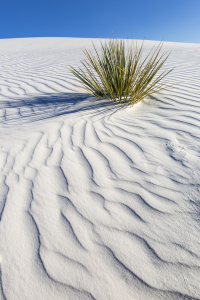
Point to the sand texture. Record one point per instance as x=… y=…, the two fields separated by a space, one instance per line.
x=96 y=201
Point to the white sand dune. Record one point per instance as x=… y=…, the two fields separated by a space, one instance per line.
x=96 y=202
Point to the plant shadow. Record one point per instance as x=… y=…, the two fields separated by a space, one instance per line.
x=35 y=108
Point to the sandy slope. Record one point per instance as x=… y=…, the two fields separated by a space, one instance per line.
x=96 y=202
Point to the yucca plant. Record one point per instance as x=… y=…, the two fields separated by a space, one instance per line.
x=120 y=75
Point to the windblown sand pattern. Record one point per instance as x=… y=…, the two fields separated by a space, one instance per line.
x=96 y=201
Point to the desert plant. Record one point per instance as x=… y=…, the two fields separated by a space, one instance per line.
x=120 y=75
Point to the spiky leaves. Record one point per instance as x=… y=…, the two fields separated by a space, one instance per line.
x=120 y=75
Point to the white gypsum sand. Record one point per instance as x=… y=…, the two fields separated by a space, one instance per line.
x=96 y=202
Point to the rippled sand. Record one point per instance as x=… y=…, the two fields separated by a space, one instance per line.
x=96 y=201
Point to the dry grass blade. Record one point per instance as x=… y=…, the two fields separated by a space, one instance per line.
x=120 y=76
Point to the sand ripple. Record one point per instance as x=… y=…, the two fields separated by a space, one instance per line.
x=96 y=201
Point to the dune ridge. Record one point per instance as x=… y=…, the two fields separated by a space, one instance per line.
x=97 y=201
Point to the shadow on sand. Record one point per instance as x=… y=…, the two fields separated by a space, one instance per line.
x=31 y=109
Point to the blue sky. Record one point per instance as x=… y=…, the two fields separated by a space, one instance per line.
x=176 y=21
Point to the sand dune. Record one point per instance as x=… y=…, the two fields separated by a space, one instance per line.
x=96 y=201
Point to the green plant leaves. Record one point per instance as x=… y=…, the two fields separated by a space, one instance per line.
x=120 y=75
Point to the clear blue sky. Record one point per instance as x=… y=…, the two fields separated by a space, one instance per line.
x=170 y=20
